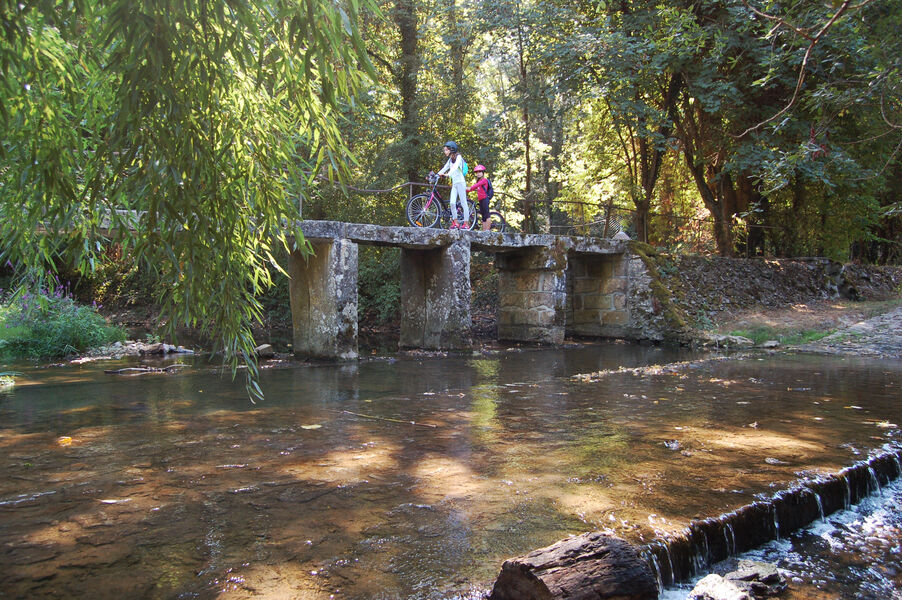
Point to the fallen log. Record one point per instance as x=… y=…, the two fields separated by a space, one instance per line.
x=591 y=566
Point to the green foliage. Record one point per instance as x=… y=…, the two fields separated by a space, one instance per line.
x=50 y=324
x=379 y=284
x=206 y=119
x=484 y=282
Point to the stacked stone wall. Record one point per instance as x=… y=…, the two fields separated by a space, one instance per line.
x=597 y=292
x=532 y=295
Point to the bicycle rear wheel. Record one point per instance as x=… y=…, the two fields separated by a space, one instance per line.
x=421 y=212
x=474 y=214
x=496 y=222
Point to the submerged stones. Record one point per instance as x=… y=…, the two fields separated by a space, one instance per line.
x=750 y=581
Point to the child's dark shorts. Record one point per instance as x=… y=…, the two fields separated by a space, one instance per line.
x=484 y=209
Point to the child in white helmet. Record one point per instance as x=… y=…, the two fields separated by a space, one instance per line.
x=454 y=169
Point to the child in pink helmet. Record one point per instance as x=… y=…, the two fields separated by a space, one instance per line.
x=484 y=193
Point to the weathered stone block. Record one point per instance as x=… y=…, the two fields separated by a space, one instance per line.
x=584 y=286
x=615 y=284
x=551 y=281
x=600 y=268
x=540 y=300
x=616 y=317
x=528 y=281
x=582 y=317
x=514 y=300
x=618 y=301
x=620 y=267
x=536 y=334
x=597 y=301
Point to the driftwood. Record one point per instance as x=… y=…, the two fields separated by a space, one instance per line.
x=591 y=566
x=143 y=370
x=374 y=417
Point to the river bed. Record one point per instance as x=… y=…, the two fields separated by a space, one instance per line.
x=400 y=477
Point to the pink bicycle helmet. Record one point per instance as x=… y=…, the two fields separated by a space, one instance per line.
x=479 y=168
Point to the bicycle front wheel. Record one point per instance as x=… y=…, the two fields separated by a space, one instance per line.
x=421 y=212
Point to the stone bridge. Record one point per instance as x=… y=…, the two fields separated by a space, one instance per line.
x=549 y=287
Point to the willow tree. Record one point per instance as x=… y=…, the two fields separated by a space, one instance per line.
x=182 y=130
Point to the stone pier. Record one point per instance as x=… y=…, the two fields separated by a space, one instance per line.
x=323 y=296
x=532 y=295
x=435 y=298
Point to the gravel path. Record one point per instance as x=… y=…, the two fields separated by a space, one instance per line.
x=879 y=337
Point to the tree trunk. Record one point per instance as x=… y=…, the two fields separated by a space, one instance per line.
x=529 y=218
x=457 y=47
x=723 y=235
x=406 y=78
x=651 y=156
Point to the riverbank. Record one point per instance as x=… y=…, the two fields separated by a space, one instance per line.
x=807 y=305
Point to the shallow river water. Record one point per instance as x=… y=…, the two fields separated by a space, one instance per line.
x=409 y=477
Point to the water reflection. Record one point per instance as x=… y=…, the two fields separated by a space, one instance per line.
x=401 y=478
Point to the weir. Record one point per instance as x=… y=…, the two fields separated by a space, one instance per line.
x=680 y=557
x=549 y=287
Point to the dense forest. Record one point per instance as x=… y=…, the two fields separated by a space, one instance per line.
x=735 y=127
x=724 y=127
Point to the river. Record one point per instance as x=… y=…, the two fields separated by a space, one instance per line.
x=400 y=477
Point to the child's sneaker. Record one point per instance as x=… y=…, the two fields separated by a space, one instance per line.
x=465 y=225
x=454 y=224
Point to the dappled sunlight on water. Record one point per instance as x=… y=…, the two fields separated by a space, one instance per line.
x=412 y=478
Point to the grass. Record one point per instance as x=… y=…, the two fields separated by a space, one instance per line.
x=787 y=337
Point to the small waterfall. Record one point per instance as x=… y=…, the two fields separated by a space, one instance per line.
x=711 y=540
x=847 y=503
x=776 y=525
x=649 y=557
x=670 y=563
x=873 y=479
x=731 y=540
x=820 y=506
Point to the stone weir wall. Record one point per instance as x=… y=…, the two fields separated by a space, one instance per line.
x=549 y=287
x=704 y=542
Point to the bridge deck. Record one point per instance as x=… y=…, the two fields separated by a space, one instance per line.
x=415 y=238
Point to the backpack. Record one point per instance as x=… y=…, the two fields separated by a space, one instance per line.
x=489 y=190
x=465 y=168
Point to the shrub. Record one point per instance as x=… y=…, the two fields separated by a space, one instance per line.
x=50 y=324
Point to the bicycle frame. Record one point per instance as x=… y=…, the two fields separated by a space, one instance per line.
x=435 y=195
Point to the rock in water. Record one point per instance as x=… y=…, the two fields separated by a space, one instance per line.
x=265 y=351
x=589 y=566
x=715 y=587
